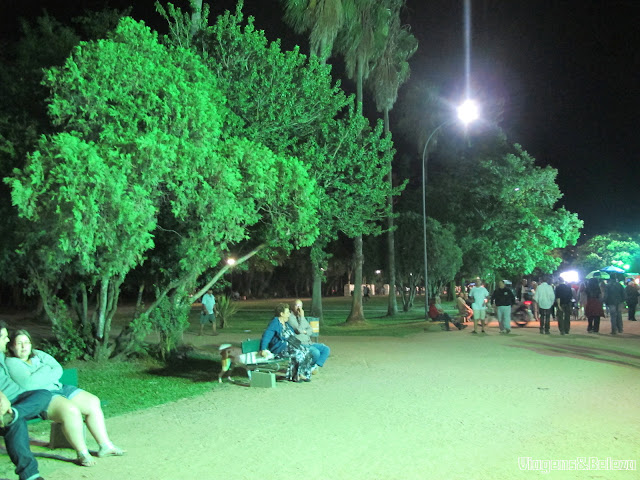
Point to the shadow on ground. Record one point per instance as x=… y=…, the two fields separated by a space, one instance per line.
x=593 y=353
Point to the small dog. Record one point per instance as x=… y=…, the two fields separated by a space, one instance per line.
x=229 y=355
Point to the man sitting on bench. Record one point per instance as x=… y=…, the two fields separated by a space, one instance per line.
x=297 y=321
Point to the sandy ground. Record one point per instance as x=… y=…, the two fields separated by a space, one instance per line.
x=438 y=405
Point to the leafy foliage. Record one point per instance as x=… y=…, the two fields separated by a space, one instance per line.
x=225 y=310
x=601 y=251
x=505 y=215
x=144 y=155
x=443 y=254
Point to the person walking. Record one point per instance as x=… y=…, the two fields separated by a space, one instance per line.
x=614 y=299
x=544 y=297
x=208 y=314
x=503 y=298
x=564 y=299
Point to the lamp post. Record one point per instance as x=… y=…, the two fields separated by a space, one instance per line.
x=467 y=113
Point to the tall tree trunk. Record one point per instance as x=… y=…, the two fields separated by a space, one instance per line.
x=392 y=304
x=318 y=259
x=357 y=312
x=316 y=295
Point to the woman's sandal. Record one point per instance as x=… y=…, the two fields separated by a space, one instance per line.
x=111 y=451
x=85 y=460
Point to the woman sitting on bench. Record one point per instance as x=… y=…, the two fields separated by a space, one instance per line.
x=280 y=339
x=35 y=369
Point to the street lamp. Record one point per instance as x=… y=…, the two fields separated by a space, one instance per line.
x=467 y=113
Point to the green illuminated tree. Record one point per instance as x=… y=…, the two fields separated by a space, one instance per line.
x=291 y=104
x=445 y=256
x=146 y=155
x=602 y=251
x=361 y=42
x=504 y=209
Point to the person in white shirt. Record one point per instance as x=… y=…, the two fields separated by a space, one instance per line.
x=479 y=294
x=544 y=297
x=208 y=313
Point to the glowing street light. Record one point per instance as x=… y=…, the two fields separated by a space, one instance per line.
x=468 y=111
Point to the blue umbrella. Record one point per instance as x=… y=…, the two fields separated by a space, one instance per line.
x=612 y=269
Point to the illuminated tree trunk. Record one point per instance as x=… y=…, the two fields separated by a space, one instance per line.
x=392 y=304
x=357 y=312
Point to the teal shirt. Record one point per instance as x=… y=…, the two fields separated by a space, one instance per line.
x=43 y=372
x=10 y=388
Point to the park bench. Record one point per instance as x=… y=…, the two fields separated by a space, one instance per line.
x=261 y=371
x=56 y=435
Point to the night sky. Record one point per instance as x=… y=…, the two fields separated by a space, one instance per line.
x=568 y=72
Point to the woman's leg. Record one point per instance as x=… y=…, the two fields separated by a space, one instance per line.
x=66 y=413
x=89 y=406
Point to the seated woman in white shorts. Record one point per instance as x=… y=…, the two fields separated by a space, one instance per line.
x=35 y=369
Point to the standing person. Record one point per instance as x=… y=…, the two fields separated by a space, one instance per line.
x=16 y=407
x=534 y=304
x=503 y=298
x=564 y=299
x=593 y=309
x=631 y=296
x=614 y=299
x=544 y=297
x=34 y=369
x=302 y=328
x=523 y=289
x=208 y=314
x=479 y=294
x=582 y=300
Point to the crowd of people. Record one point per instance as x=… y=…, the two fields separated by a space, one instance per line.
x=591 y=300
x=30 y=388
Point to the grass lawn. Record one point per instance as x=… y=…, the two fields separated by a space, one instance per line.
x=143 y=383
x=138 y=384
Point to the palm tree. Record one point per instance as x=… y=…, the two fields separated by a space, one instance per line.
x=322 y=19
x=361 y=42
x=389 y=73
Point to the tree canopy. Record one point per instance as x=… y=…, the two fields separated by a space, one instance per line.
x=145 y=151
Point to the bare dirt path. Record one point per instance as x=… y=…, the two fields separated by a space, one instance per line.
x=432 y=406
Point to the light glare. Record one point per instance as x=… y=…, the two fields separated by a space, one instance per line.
x=570 y=276
x=468 y=112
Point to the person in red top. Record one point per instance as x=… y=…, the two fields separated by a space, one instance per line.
x=437 y=314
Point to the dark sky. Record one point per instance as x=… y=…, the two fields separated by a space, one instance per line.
x=568 y=72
